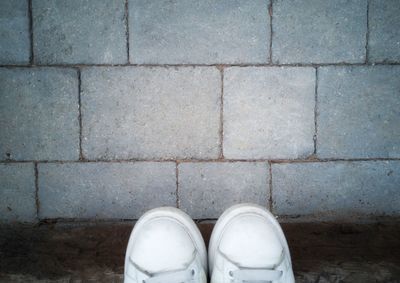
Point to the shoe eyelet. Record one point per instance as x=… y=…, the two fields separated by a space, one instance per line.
x=230 y=273
x=193 y=272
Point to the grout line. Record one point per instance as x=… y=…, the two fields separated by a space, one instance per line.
x=31 y=56
x=316 y=112
x=273 y=161
x=202 y=65
x=80 y=115
x=221 y=125
x=271 y=32
x=177 y=184
x=127 y=28
x=37 y=202
x=270 y=187
x=367 y=36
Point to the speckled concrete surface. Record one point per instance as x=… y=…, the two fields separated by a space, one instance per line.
x=93 y=90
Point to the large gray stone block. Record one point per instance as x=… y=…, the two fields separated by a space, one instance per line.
x=330 y=190
x=17 y=192
x=207 y=189
x=269 y=112
x=79 y=31
x=384 y=31
x=200 y=32
x=151 y=113
x=359 y=112
x=14 y=32
x=105 y=190
x=39 y=114
x=317 y=31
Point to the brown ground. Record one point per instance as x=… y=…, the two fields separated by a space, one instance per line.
x=95 y=252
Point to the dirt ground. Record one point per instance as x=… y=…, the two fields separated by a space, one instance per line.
x=86 y=252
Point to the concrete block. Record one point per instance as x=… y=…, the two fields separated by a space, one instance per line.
x=207 y=189
x=17 y=192
x=334 y=190
x=14 y=32
x=105 y=190
x=199 y=32
x=358 y=112
x=151 y=113
x=384 y=31
x=39 y=114
x=269 y=112
x=79 y=31
x=317 y=31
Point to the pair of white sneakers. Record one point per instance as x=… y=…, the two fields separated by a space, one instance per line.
x=247 y=245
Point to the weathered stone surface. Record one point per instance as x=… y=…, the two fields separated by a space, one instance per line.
x=329 y=190
x=359 y=112
x=39 y=114
x=207 y=189
x=151 y=113
x=204 y=32
x=14 y=32
x=384 y=31
x=17 y=192
x=105 y=190
x=269 y=112
x=319 y=31
x=79 y=31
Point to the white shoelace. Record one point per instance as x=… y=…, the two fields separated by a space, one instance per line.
x=255 y=275
x=185 y=276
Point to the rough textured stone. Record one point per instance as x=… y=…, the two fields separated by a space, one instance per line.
x=384 y=30
x=359 y=112
x=336 y=189
x=205 y=32
x=14 y=32
x=105 y=190
x=147 y=113
x=207 y=189
x=79 y=31
x=17 y=192
x=269 y=112
x=39 y=114
x=317 y=31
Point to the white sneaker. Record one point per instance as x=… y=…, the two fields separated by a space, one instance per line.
x=165 y=246
x=248 y=245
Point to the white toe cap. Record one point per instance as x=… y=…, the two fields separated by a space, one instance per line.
x=251 y=241
x=162 y=244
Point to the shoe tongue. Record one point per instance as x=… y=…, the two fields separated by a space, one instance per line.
x=160 y=248
x=251 y=242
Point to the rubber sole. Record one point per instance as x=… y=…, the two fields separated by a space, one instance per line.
x=180 y=217
x=233 y=212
